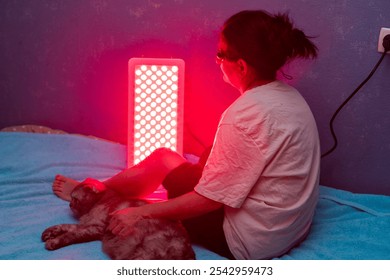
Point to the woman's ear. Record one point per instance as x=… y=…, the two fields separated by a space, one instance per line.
x=242 y=67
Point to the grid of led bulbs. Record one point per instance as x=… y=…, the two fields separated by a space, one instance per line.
x=155 y=109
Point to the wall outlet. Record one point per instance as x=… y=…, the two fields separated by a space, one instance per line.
x=382 y=34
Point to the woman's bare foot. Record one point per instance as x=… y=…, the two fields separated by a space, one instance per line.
x=63 y=186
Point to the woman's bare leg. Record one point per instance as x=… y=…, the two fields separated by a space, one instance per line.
x=144 y=178
x=137 y=181
x=63 y=186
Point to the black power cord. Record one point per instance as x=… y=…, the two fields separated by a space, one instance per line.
x=386 y=46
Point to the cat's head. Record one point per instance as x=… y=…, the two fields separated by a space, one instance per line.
x=83 y=198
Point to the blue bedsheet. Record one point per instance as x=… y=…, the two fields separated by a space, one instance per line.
x=346 y=225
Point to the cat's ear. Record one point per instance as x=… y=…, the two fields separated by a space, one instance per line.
x=95 y=185
x=96 y=189
x=93 y=188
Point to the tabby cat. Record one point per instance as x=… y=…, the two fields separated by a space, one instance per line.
x=150 y=239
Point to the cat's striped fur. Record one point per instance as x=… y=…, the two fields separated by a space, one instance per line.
x=149 y=239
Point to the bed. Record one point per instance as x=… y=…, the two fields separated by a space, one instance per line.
x=346 y=225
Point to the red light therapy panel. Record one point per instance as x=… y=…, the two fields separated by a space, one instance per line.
x=156 y=88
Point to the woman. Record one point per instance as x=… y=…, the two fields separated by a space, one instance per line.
x=263 y=169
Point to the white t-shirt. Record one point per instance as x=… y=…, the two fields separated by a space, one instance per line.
x=264 y=167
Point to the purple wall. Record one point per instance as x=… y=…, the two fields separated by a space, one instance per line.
x=63 y=64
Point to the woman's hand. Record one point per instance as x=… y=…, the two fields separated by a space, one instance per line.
x=122 y=221
x=180 y=208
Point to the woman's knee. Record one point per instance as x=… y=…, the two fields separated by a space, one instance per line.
x=163 y=152
x=169 y=158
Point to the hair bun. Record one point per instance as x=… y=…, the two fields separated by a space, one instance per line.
x=266 y=41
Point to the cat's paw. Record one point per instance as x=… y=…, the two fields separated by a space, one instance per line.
x=52 y=244
x=51 y=232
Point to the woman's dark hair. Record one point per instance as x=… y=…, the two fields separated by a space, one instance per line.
x=265 y=41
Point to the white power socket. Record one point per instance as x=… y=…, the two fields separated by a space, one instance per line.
x=384 y=31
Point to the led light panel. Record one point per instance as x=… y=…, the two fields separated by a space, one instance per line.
x=155 y=118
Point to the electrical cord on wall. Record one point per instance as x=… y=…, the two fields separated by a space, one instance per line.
x=386 y=46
